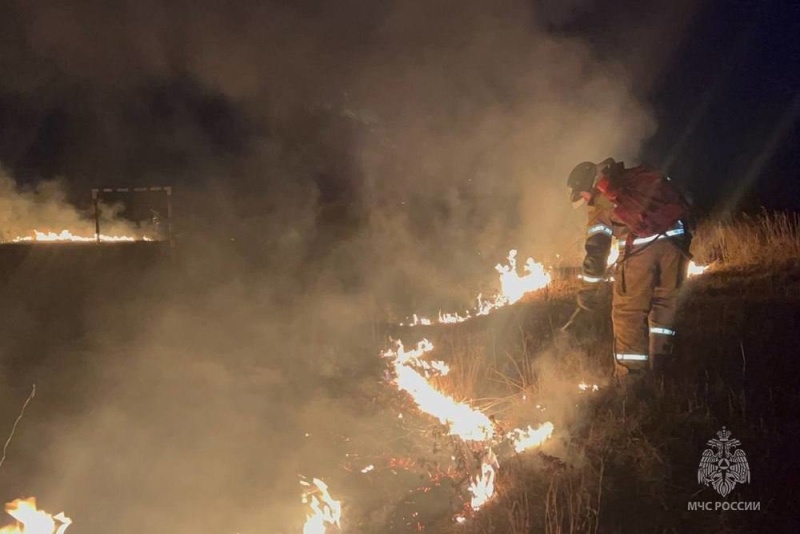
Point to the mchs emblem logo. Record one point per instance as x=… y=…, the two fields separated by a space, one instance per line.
x=724 y=464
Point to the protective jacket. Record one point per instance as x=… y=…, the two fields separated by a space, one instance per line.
x=647 y=279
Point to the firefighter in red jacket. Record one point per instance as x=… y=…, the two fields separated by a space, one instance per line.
x=646 y=213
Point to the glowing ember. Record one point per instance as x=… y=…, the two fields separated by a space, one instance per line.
x=33 y=521
x=325 y=510
x=583 y=386
x=482 y=486
x=530 y=437
x=695 y=269
x=461 y=419
x=67 y=236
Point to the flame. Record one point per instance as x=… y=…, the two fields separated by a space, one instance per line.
x=461 y=419
x=482 y=486
x=513 y=287
x=66 y=235
x=449 y=318
x=325 y=510
x=583 y=386
x=34 y=521
x=695 y=269
x=530 y=437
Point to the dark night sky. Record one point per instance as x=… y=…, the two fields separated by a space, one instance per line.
x=728 y=108
x=726 y=102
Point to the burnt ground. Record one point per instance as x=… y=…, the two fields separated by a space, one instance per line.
x=174 y=399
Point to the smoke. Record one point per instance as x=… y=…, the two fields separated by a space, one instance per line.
x=447 y=128
x=334 y=164
x=46 y=208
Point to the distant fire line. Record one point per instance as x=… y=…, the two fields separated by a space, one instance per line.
x=66 y=236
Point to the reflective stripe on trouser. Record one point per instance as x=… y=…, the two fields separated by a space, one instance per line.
x=661 y=338
x=645 y=297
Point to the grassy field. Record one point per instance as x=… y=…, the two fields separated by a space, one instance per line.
x=188 y=397
x=625 y=459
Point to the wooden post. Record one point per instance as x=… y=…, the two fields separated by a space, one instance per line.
x=95 y=193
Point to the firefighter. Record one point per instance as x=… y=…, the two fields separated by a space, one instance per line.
x=647 y=214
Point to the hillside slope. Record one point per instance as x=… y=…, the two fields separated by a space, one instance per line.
x=631 y=455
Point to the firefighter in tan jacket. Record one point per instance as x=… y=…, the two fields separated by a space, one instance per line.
x=653 y=257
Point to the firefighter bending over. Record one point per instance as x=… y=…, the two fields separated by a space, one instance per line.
x=647 y=214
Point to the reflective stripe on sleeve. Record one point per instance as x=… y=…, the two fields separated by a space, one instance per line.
x=662 y=331
x=590 y=279
x=599 y=229
x=632 y=357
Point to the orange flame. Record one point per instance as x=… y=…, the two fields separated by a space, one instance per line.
x=482 y=486
x=325 y=510
x=34 y=521
x=461 y=419
x=513 y=287
x=695 y=270
x=66 y=235
x=530 y=437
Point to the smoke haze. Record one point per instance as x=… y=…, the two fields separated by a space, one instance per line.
x=335 y=165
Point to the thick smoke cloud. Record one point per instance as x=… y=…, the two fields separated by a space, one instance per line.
x=335 y=164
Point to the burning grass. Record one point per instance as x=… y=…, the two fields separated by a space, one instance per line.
x=642 y=444
x=625 y=458
x=629 y=456
x=507 y=378
x=513 y=286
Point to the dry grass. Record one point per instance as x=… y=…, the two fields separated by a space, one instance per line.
x=625 y=460
x=766 y=239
